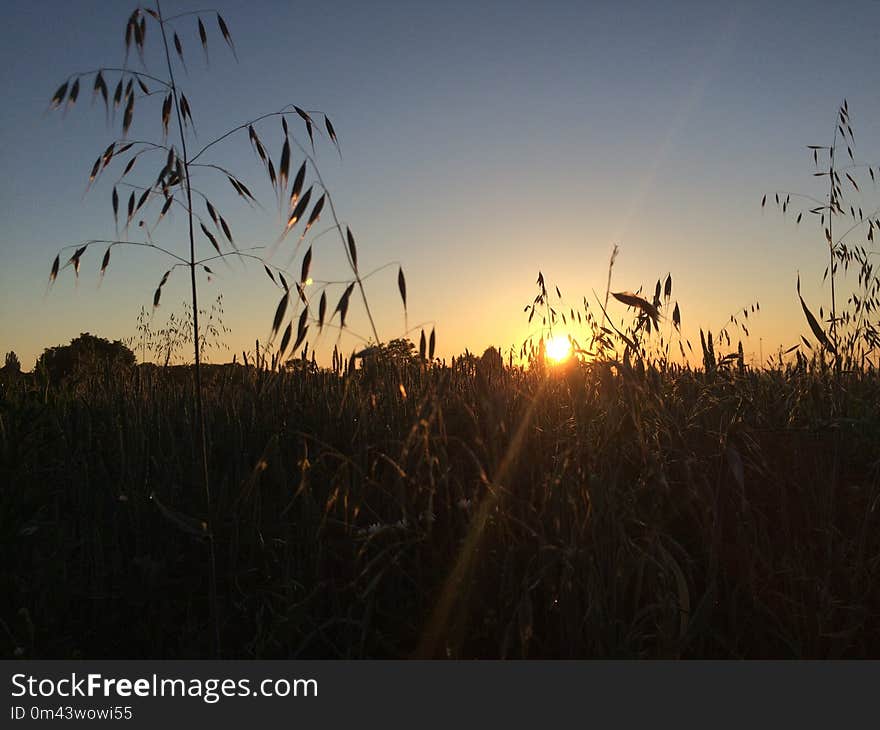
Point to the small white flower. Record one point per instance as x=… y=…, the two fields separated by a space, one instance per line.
x=371 y=530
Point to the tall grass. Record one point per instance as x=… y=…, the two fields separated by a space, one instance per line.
x=641 y=513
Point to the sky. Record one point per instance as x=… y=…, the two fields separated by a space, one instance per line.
x=481 y=142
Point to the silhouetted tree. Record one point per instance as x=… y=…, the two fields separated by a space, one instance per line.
x=84 y=352
x=13 y=364
x=401 y=351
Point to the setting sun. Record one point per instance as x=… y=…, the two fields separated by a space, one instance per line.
x=558 y=348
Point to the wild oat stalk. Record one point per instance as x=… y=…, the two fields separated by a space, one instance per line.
x=171 y=183
x=853 y=331
x=603 y=336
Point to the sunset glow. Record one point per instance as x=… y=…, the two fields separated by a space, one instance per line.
x=558 y=349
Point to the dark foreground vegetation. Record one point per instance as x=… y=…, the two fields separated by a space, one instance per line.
x=587 y=511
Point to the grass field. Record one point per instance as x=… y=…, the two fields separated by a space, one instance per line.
x=592 y=510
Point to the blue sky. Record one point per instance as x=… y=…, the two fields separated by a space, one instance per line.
x=481 y=142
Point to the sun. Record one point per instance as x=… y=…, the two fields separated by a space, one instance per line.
x=558 y=349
